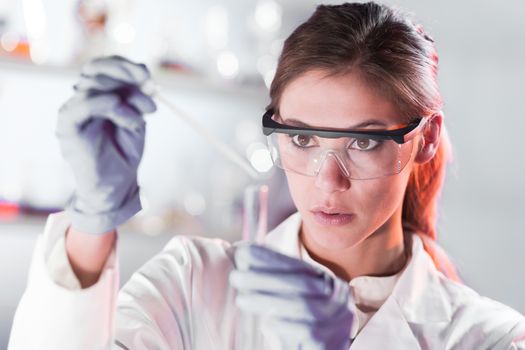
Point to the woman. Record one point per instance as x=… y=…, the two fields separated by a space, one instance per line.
x=355 y=121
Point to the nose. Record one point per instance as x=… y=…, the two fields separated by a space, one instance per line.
x=331 y=176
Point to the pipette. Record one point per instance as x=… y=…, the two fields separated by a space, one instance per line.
x=153 y=90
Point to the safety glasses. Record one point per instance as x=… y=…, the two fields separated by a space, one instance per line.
x=360 y=153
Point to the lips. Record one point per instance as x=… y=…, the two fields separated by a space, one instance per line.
x=332 y=216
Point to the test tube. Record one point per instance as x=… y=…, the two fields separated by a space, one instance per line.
x=255 y=218
x=255 y=221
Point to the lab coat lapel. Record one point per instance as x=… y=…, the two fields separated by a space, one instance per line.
x=419 y=292
x=387 y=329
x=417 y=300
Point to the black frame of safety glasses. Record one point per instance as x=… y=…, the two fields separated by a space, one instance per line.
x=400 y=136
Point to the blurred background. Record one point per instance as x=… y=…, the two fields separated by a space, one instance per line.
x=215 y=60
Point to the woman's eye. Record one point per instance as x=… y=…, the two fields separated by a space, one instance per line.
x=302 y=140
x=364 y=144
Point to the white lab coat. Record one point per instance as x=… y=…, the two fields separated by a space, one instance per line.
x=181 y=299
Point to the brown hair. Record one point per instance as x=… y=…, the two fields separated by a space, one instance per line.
x=398 y=59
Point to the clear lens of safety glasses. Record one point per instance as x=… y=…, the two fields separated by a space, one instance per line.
x=358 y=158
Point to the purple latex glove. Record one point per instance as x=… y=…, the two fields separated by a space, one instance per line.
x=305 y=307
x=101 y=133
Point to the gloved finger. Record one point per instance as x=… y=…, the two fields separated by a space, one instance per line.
x=76 y=111
x=257 y=257
x=142 y=102
x=81 y=107
x=118 y=68
x=297 y=308
x=280 y=283
x=103 y=83
x=124 y=116
x=99 y=82
x=133 y=94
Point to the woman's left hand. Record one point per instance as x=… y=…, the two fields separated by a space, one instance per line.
x=304 y=307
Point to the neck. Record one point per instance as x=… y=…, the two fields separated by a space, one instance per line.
x=383 y=253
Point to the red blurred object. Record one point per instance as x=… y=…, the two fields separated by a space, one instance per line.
x=175 y=66
x=9 y=211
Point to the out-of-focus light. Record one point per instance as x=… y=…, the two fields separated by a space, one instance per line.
x=9 y=41
x=254 y=146
x=268 y=15
x=261 y=160
x=195 y=204
x=217 y=27
x=259 y=157
x=228 y=64
x=152 y=224
x=124 y=33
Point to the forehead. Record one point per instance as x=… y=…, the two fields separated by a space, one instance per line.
x=339 y=101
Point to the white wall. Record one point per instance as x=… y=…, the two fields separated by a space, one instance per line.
x=482 y=225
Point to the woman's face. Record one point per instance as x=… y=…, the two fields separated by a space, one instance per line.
x=371 y=205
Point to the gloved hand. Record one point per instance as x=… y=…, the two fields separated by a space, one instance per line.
x=304 y=307
x=101 y=133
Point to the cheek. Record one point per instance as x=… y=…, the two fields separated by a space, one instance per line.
x=378 y=199
x=300 y=186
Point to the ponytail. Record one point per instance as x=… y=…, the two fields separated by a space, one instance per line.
x=420 y=205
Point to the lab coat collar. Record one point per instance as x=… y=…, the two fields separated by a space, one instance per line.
x=419 y=292
x=417 y=296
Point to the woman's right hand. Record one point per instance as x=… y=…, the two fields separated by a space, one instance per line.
x=101 y=133
x=302 y=305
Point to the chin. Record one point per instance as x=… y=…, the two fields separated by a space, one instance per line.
x=330 y=237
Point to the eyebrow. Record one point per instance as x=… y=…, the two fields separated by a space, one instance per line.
x=371 y=122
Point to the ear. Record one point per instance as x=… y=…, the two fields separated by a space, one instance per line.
x=429 y=143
